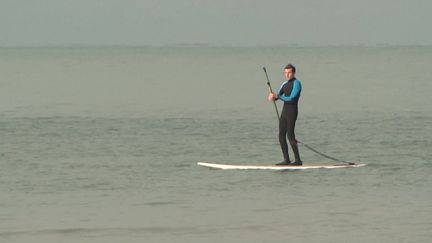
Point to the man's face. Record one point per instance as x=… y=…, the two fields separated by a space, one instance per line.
x=289 y=74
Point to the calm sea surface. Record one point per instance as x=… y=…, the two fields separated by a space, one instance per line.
x=101 y=145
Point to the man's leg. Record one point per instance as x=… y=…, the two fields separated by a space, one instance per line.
x=282 y=139
x=293 y=141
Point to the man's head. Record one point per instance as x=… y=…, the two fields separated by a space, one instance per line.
x=289 y=71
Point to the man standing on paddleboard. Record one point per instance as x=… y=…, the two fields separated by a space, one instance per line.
x=289 y=93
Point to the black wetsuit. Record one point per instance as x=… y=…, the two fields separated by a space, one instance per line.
x=289 y=93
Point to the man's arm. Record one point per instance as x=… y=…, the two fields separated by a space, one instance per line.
x=294 y=93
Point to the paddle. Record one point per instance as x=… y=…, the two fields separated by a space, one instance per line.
x=307 y=146
x=271 y=91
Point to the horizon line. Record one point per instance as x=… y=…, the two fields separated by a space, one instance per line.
x=205 y=45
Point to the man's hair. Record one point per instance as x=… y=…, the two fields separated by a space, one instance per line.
x=290 y=66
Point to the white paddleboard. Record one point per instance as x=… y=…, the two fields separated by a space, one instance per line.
x=277 y=167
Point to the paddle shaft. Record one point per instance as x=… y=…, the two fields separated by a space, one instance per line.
x=307 y=146
x=271 y=91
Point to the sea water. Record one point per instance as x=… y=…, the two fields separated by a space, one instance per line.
x=100 y=144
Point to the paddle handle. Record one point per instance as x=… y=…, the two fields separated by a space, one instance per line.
x=271 y=91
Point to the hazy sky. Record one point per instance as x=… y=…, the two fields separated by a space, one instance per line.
x=215 y=22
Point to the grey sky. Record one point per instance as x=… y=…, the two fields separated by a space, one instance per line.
x=215 y=22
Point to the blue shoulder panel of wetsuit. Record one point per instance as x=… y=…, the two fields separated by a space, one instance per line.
x=295 y=92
